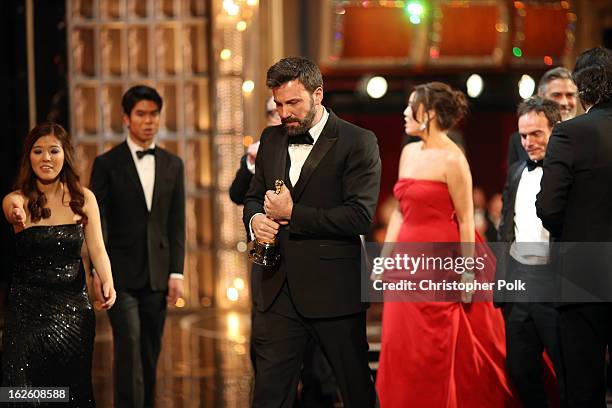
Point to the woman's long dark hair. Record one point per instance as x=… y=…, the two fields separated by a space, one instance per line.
x=26 y=181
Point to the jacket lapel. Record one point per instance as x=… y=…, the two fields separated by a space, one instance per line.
x=160 y=165
x=281 y=165
x=132 y=173
x=326 y=140
x=514 y=183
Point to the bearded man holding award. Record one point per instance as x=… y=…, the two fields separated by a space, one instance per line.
x=330 y=171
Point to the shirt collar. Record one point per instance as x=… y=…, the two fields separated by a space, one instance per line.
x=134 y=147
x=317 y=129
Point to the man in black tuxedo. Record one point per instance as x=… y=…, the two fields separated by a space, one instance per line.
x=575 y=205
x=556 y=85
x=141 y=194
x=318 y=384
x=331 y=171
x=531 y=323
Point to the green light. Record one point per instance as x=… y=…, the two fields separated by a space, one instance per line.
x=517 y=52
x=415 y=9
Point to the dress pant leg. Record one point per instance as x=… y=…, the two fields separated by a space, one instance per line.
x=585 y=332
x=318 y=383
x=128 y=377
x=524 y=355
x=152 y=311
x=251 y=346
x=278 y=338
x=344 y=342
x=546 y=318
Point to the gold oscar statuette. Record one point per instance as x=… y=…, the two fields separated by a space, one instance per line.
x=265 y=253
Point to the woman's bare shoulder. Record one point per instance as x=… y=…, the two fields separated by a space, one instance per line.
x=16 y=197
x=411 y=148
x=454 y=155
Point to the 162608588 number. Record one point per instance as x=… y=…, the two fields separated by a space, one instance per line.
x=34 y=394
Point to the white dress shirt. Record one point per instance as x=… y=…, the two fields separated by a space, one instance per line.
x=146 y=170
x=528 y=228
x=298 y=153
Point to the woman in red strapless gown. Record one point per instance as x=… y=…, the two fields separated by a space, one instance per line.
x=438 y=354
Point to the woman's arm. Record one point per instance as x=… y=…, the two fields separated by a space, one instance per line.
x=13 y=206
x=395 y=222
x=459 y=182
x=97 y=251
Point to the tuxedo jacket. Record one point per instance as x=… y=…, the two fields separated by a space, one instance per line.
x=334 y=202
x=242 y=180
x=575 y=200
x=505 y=232
x=506 y=226
x=144 y=247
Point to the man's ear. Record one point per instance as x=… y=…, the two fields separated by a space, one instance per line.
x=126 y=120
x=318 y=95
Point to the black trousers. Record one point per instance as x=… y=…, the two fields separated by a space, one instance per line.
x=280 y=337
x=137 y=319
x=531 y=328
x=586 y=331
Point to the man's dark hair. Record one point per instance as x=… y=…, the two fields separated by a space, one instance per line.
x=536 y=104
x=551 y=75
x=300 y=68
x=593 y=76
x=140 y=93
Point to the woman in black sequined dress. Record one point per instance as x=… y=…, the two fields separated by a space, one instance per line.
x=50 y=324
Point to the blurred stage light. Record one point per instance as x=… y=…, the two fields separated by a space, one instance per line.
x=241 y=25
x=474 y=86
x=416 y=11
x=225 y=54
x=233 y=326
x=517 y=52
x=376 y=87
x=526 y=86
x=248 y=86
x=241 y=246
x=231 y=8
x=239 y=283
x=232 y=294
x=415 y=8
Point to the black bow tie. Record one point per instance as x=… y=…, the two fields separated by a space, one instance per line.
x=531 y=164
x=143 y=153
x=301 y=139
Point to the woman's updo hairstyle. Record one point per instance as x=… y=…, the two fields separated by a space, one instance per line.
x=449 y=104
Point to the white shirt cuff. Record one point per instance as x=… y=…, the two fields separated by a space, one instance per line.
x=250 y=167
x=177 y=276
x=251 y=228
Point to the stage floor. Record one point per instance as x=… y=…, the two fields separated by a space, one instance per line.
x=204 y=360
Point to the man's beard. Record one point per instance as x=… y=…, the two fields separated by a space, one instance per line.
x=304 y=124
x=567 y=115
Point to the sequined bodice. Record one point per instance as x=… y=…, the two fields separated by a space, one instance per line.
x=49 y=255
